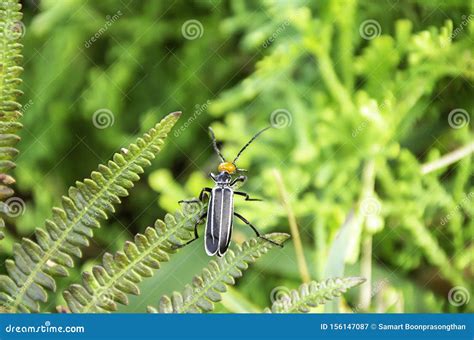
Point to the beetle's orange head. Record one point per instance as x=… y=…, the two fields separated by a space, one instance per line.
x=228 y=167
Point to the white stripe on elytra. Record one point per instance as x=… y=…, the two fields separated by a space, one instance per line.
x=221 y=217
x=211 y=211
x=210 y=214
x=230 y=214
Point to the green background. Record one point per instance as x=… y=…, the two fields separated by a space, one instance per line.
x=357 y=111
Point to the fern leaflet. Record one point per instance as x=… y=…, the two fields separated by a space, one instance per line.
x=207 y=287
x=36 y=264
x=11 y=30
x=119 y=275
x=313 y=294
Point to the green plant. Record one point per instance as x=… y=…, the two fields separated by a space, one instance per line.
x=369 y=165
x=373 y=107
x=10 y=110
x=313 y=294
x=120 y=274
x=36 y=264
x=206 y=288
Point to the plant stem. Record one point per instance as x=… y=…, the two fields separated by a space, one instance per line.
x=345 y=23
x=320 y=239
x=328 y=73
x=366 y=272
x=334 y=85
x=448 y=159
x=295 y=234
x=368 y=180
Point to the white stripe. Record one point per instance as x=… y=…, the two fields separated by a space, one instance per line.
x=221 y=217
x=231 y=213
x=211 y=212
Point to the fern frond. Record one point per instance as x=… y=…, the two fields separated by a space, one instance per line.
x=36 y=264
x=206 y=288
x=313 y=294
x=10 y=69
x=119 y=274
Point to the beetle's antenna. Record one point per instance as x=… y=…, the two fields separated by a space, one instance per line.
x=248 y=143
x=214 y=144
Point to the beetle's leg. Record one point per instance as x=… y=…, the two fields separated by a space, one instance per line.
x=247 y=197
x=196 y=235
x=194 y=200
x=213 y=177
x=238 y=179
x=201 y=196
x=243 y=219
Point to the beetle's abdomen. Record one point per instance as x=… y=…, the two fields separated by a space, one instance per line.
x=219 y=221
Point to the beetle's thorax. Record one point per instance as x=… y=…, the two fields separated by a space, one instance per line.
x=222 y=179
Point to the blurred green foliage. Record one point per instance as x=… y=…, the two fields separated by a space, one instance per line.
x=361 y=93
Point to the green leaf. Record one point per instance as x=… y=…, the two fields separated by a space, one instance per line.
x=313 y=294
x=11 y=32
x=206 y=288
x=343 y=244
x=120 y=274
x=36 y=264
